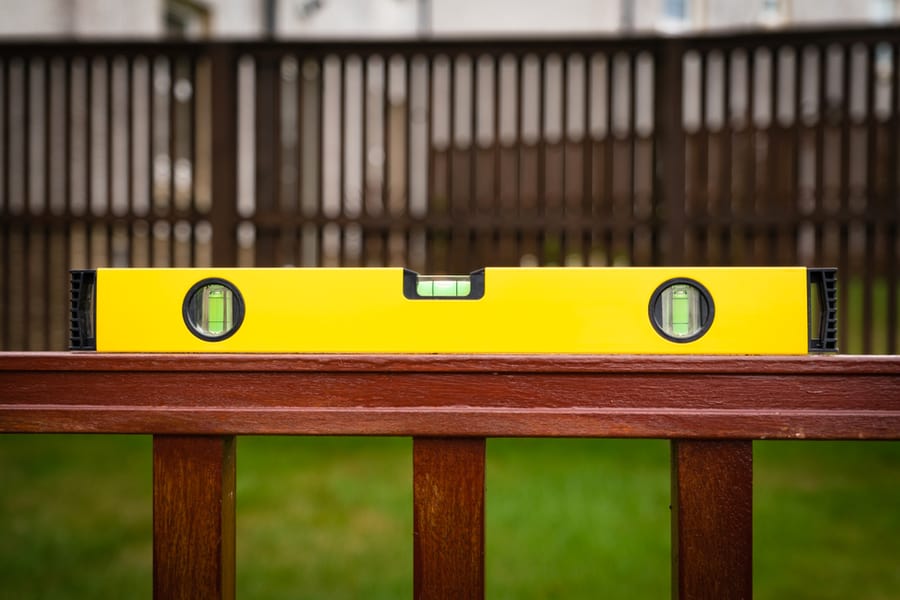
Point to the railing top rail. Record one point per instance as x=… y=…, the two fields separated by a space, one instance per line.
x=700 y=397
x=675 y=365
x=456 y=44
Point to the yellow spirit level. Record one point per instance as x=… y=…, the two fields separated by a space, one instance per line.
x=665 y=310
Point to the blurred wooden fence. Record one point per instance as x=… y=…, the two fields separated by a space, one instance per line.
x=772 y=148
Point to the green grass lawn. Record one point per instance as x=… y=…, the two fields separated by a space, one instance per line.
x=332 y=518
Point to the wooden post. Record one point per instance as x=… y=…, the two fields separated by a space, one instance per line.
x=712 y=519
x=670 y=148
x=193 y=517
x=224 y=111
x=448 y=518
x=267 y=144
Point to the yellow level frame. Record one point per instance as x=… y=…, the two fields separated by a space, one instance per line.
x=522 y=310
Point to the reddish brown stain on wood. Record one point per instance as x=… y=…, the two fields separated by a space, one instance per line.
x=696 y=397
x=194 y=405
x=448 y=518
x=712 y=519
x=193 y=517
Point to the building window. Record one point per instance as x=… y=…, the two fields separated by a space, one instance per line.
x=675 y=15
x=882 y=11
x=773 y=13
x=187 y=19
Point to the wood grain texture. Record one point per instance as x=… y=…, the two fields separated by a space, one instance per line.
x=193 y=517
x=448 y=518
x=712 y=519
x=696 y=397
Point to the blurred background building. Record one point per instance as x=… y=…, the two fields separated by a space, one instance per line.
x=417 y=18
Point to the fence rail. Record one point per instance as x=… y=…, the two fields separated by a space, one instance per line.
x=195 y=405
x=444 y=156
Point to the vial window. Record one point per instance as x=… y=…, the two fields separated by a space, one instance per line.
x=681 y=310
x=213 y=309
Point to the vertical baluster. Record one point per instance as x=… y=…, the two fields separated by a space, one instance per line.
x=479 y=238
x=473 y=205
x=608 y=202
x=319 y=155
x=300 y=164
x=771 y=202
x=110 y=213
x=631 y=109
x=458 y=233
x=892 y=204
x=386 y=190
x=267 y=144
x=871 y=206
x=699 y=204
x=129 y=158
x=496 y=209
x=822 y=108
x=541 y=196
x=364 y=210
x=747 y=209
x=798 y=140
x=5 y=212
x=451 y=141
x=191 y=159
x=519 y=148
x=448 y=518
x=341 y=103
x=223 y=93
x=407 y=150
x=66 y=141
x=193 y=517
x=723 y=202
x=843 y=217
x=49 y=301
x=567 y=232
x=712 y=519
x=669 y=85
x=429 y=166
x=151 y=148
x=27 y=207
x=588 y=216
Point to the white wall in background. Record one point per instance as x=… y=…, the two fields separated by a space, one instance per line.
x=83 y=18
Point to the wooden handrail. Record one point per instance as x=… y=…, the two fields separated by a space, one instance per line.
x=710 y=407
x=813 y=397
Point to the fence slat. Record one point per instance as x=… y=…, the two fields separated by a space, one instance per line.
x=223 y=217
x=266 y=143
x=712 y=517
x=670 y=146
x=193 y=517
x=448 y=523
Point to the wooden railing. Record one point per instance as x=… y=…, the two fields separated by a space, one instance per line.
x=194 y=405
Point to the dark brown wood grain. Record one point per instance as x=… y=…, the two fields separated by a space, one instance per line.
x=224 y=153
x=448 y=518
x=700 y=397
x=193 y=517
x=712 y=519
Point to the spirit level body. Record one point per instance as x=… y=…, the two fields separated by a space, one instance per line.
x=521 y=310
